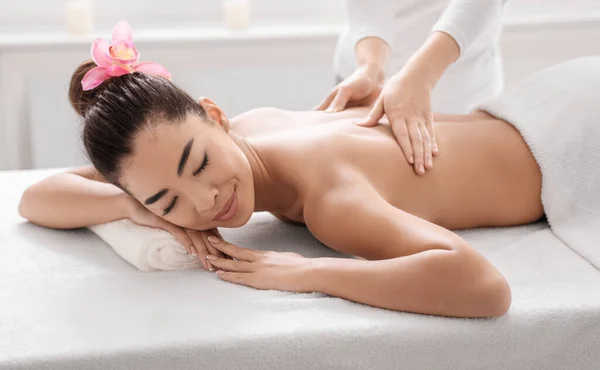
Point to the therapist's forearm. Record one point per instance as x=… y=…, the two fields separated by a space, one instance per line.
x=436 y=282
x=373 y=53
x=430 y=62
x=67 y=200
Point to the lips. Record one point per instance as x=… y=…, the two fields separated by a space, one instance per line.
x=229 y=209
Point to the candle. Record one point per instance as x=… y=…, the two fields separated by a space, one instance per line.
x=236 y=13
x=79 y=16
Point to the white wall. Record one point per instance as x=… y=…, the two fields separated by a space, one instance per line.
x=282 y=66
x=27 y=16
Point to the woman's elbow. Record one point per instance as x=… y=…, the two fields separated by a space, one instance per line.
x=25 y=207
x=488 y=292
x=31 y=206
x=495 y=297
x=492 y=292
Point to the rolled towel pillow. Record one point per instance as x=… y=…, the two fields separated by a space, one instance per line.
x=146 y=248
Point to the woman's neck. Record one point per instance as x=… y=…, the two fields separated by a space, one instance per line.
x=270 y=194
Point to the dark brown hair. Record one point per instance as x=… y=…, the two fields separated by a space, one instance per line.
x=115 y=111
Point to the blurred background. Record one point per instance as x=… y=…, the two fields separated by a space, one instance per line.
x=242 y=54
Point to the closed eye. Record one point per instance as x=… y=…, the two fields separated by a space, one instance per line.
x=170 y=207
x=203 y=165
x=200 y=169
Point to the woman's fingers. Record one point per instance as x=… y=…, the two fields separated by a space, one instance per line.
x=239 y=253
x=325 y=103
x=199 y=246
x=340 y=100
x=435 y=150
x=230 y=265
x=400 y=130
x=417 y=145
x=374 y=115
x=218 y=235
x=209 y=248
x=427 y=147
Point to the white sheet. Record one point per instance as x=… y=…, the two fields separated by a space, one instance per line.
x=67 y=301
x=557 y=112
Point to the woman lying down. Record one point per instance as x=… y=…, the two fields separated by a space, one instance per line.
x=165 y=160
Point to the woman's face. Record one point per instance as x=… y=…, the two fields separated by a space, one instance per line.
x=192 y=174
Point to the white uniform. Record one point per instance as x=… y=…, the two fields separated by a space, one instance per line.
x=476 y=26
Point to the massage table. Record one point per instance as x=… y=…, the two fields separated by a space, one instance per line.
x=67 y=301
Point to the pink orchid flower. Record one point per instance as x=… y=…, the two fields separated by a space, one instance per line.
x=118 y=58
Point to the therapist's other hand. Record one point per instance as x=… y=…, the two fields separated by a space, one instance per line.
x=195 y=242
x=406 y=101
x=361 y=88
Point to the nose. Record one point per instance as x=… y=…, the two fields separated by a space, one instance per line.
x=203 y=197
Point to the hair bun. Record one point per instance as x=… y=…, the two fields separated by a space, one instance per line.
x=81 y=100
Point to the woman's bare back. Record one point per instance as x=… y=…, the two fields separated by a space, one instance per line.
x=485 y=174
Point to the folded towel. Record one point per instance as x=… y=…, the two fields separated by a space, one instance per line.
x=558 y=114
x=146 y=248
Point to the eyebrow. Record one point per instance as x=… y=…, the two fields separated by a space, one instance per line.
x=156 y=197
x=184 y=156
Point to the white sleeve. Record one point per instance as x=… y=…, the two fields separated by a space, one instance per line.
x=374 y=18
x=465 y=20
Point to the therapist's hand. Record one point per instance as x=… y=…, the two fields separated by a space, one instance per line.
x=406 y=101
x=361 y=88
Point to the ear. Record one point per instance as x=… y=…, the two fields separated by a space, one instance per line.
x=215 y=112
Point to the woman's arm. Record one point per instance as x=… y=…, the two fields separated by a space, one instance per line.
x=82 y=197
x=374 y=20
x=461 y=23
x=414 y=265
x=370 y=32
x=373 y=54
x=467 y=20
x=76 y=198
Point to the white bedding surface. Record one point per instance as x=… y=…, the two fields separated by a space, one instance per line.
x=67 y=301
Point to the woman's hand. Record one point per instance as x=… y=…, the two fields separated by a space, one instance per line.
x=406 y=100
x=360 y=89
x=195 y=242
x=261 y=270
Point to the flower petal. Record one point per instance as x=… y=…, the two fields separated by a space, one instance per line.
x=93 y=78
x=121 y=31
x=115 y=71
x=122 y=52
x=117 y=61
x=153 y=69
x=99 y=48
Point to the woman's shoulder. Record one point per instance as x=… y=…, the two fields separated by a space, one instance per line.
x=260 y=121
x=258 y=115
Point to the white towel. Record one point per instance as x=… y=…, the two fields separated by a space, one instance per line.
x=557 y=111
x=146 y=248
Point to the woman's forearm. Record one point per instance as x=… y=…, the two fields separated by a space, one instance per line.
x=436 y=282
x=67 y=200
x=373 y=53
x=433 y=58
